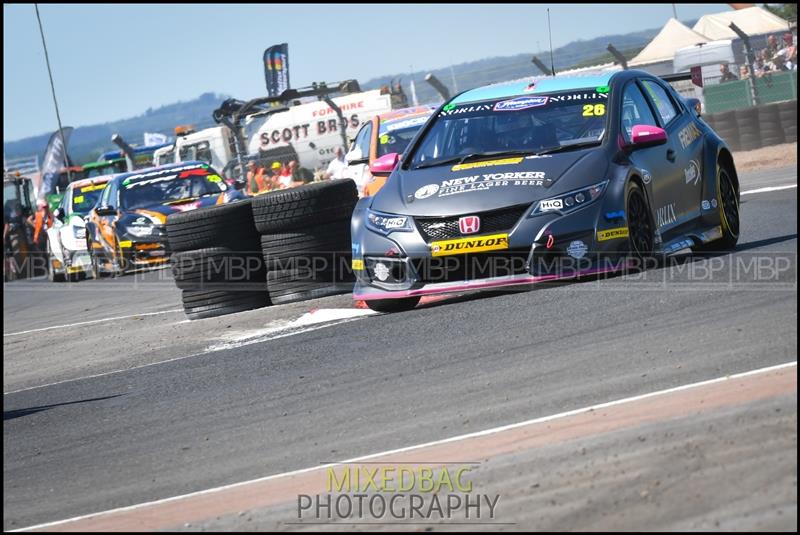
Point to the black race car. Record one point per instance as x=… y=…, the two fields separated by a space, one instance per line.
x=518 y=183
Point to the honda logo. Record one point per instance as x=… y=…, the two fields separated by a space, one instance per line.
x=469 y=224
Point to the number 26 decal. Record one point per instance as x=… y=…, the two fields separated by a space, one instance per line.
x=591 y=110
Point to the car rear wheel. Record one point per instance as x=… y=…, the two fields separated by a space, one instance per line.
x=392 y=305
x=640 y=225
x=728 y=203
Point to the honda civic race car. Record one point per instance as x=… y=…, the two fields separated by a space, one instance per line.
x=127 y=227
x=519 y=183
x=68 y=254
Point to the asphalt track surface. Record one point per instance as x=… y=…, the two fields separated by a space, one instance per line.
x=118 y=412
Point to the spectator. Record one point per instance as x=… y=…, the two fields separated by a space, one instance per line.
x=744 y=72
x=43 y=220
x=727 y=75
x=761 y=67
x=779 y=62
x=257 y=182
x=772 y=47
x=338 y=166
x=289 y=176
x=275 y=178
x=789 y=52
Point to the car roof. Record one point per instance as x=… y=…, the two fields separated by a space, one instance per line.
x=540 y=86
x=150 y=172
x=95 y=180
x=405 y=113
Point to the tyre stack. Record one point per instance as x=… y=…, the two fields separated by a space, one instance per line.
x=787 y=113
x=305 y=239
x=725 y=125
x=769 y=124
x=749 y=131
x=216 y=260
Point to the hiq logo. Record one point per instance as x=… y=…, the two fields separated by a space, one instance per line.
x=520 y=103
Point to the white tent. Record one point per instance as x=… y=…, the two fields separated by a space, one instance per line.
x=752 y=21
x=673 y=35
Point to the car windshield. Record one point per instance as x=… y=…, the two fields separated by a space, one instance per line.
x=84 y=199
x=522 y=124
x=395 y=135
x=170 y=188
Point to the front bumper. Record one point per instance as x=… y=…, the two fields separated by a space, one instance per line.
x=147 y=250
x=542 y=248
x=367 y=293
x=74 y=262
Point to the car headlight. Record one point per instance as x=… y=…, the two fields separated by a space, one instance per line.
x=567 y=202
x=140 y=231
x=387 y=223
x=79 y=233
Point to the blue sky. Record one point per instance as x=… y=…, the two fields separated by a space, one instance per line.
x=115 y=61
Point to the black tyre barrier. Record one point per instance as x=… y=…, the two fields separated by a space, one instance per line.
x=218 y=268
x=787 y=112
x=769 y=124
x=756 y=127
x=290 y=286
x=325 y=246
x=198 y=304
x=312 y=204
x=227 y=225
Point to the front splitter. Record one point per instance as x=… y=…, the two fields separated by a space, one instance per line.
x=368 y=294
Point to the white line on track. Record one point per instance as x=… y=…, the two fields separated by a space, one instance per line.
x=92 y=321
x=770 y=188
x=425 y=445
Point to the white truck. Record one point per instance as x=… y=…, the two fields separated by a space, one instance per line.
x=213 y=145
x=308 y=133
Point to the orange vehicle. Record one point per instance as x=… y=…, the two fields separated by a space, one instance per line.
x=384 y=134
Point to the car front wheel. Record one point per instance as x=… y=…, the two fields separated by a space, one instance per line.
x=728 y=204
x=640 y=224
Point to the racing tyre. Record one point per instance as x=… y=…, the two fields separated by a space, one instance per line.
x=226 y=225
x=769 y=124
x=312 y=204
x=787 y=112
x=392 y=305
x=217 y=268
x=290 y=286
x=728 y=203
x=209 y=304
x=326 y=247
x=749 y=131
x=641 y=230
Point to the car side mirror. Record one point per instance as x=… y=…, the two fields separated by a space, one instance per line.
x=385 y=164
x=58 y=213
x=105 y=210
x=355 y=157
x=647 y=136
